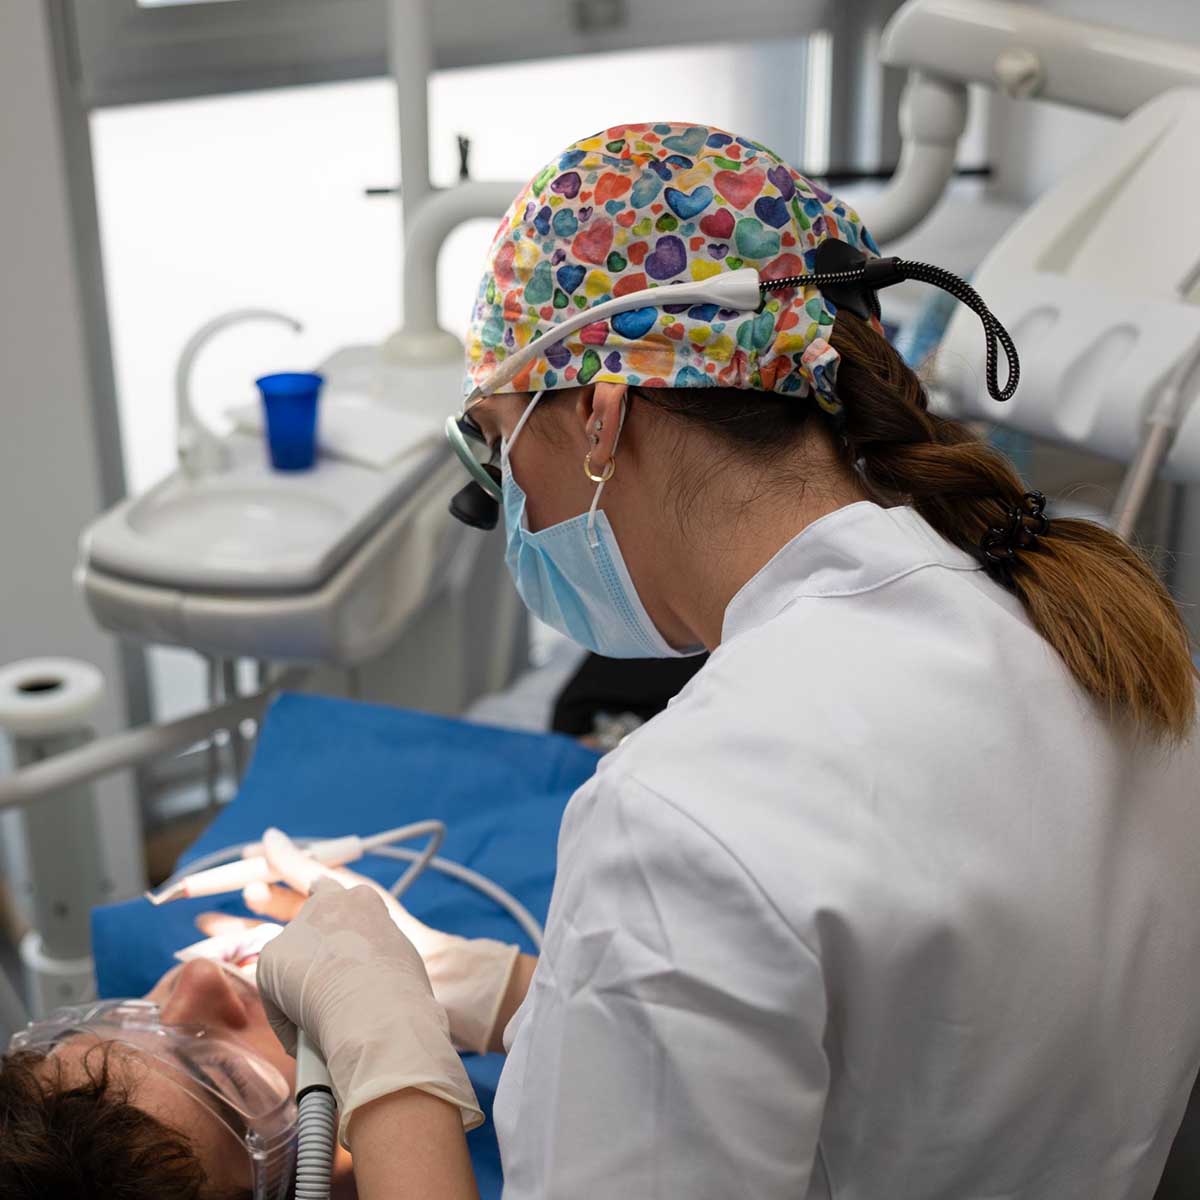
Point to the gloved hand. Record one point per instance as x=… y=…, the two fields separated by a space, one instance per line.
x=345 y=974
x=469 y=976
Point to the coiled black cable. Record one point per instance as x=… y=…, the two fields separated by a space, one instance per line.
x=877 y=273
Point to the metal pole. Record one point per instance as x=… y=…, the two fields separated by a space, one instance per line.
x=46 y=706
x=410 y=55
x=62 y=837
x=212 y=754
x=133 y=747
x=237 y=746
x=1184 y=569
x=1161 y=427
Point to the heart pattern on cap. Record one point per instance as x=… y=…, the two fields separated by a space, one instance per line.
x=648 y=206
x=686 y=205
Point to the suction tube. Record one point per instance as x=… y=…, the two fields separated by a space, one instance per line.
x=316 y=1125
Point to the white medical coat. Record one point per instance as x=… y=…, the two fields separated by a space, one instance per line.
x=880 y=908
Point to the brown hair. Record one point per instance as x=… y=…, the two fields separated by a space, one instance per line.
x=86 y=1140
x=1090 y=595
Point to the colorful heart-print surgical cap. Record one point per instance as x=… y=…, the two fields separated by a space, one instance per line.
x=649 y=205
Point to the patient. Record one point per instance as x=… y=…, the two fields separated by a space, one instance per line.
x=87 y=1122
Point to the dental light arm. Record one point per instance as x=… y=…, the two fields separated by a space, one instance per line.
x=1024 y=52
x=1027 y=52
x=421 y=339
x=933 y=115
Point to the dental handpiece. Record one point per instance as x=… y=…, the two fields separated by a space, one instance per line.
x=254 y=868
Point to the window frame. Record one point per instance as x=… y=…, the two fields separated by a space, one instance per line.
x=125 y=53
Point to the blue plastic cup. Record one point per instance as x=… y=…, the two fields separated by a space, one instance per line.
x=290 y=401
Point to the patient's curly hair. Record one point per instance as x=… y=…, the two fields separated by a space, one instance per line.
x=85 y=1140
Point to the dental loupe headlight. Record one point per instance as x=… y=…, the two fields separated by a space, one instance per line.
x=477 y=504
x=846 y=277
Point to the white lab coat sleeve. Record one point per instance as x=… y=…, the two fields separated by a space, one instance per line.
x=671 y=1043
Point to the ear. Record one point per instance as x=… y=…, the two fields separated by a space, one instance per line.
x=600 y=409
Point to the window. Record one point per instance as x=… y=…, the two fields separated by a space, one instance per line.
x=141 y=50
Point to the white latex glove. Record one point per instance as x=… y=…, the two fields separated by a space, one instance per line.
x=469 y=976
x=344 y=973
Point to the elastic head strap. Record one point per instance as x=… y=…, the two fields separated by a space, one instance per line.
x=850 y=280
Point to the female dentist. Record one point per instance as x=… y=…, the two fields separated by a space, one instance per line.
x=898 y=897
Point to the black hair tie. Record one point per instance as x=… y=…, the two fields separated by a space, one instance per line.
x=1025 y=522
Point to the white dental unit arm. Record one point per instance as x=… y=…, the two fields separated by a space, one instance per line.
x=1021 y=51
x=1098 y=282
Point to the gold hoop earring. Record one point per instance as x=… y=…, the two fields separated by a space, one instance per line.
x=605 y=475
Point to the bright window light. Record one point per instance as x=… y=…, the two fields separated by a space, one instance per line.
x=818 y=90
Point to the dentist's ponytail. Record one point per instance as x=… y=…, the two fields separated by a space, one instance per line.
x=1091 y=596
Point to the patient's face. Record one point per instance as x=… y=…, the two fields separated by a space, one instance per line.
x=200 y=993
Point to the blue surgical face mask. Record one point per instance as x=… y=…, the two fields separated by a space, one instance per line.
x=573 y=577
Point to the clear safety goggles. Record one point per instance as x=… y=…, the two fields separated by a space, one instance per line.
x=245 y=1092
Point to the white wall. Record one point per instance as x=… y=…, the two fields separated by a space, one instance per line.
x=54 y=461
